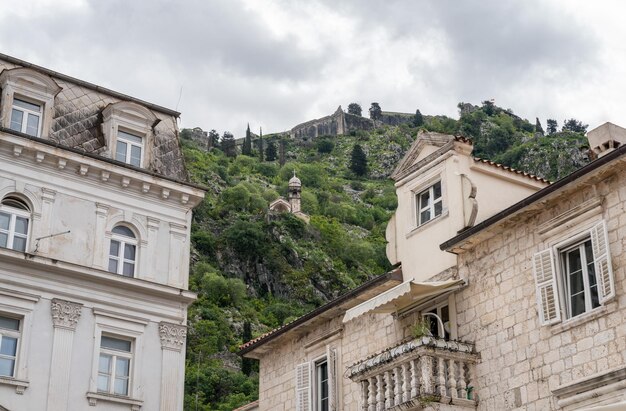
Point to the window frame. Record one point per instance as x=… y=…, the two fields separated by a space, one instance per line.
x=317 y=384
x=114 y=355
x=432 y=202
x=17 y=335
x=564 y=277
x=123 y=241
x=14 y=213
x=25 y=113
x=121 y=138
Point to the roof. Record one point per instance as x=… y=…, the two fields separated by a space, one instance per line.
x=88 y=85
x=511 y=169
x=534 y=198
x=394 y=274
x=248 y=407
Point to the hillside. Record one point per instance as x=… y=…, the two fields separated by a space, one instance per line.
x=254 y=272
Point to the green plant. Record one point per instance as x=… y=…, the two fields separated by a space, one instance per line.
x=421 y=329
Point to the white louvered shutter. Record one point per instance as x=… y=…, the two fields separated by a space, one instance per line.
x=303 y=387
x=545 y=282
x=331 y=360
x=602 y=262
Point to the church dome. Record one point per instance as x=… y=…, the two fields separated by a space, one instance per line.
x=295 y=181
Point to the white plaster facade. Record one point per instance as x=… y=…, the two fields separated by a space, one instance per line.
x=59 y=288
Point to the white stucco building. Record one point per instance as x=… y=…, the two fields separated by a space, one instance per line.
x=95 y=212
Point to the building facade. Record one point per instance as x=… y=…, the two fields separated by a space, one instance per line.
x=511 y=296
x=95 y=212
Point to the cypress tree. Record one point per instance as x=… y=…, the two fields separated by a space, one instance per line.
x=270 y=152
x=261 y=148
x=418 y=120
x=281 y=151
x=246 y=148
x=228 y=144
x=358 y=161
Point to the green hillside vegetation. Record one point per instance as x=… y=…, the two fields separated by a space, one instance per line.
x=254 y=272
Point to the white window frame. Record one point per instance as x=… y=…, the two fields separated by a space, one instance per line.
x=317 y=383
x=308 y=386
x=121 y=138
x=550 y=275
x=17 y=335
x=114 y=355
x=26 y=112
x=123 y=241
x=124 y=327
x=431 y=203
x=564 y=276
x=11 y=234
x=19 y=305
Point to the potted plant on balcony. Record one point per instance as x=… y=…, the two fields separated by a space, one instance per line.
x=421 y=329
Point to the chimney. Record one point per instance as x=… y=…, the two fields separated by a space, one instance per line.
x=606 y=138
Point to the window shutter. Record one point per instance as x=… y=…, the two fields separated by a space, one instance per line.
x=545 y=282
x=602 y=262
x=303 y=387
x=333 y=383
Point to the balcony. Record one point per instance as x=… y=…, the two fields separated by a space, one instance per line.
x=417 y=373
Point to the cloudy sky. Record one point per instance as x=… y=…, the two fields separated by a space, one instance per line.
x=275 y=63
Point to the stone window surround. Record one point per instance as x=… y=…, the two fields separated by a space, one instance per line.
x=416 y=311
x=125 y=327
x=131 y=118
x=563 y=230
x=20 y=305
x=134 y=223
x=432 y=177
x=31 y=86
x=317 y=352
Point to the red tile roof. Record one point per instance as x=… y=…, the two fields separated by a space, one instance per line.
x=512 y=170
x=250 y=406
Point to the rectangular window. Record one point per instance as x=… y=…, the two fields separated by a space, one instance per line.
x=443 y=312
x=13 y=230
x=25 y=117
x=114 y=365
x=9 y=338
x=129 y=148
x=429 y=203
x=579 y=278
x=321 y=386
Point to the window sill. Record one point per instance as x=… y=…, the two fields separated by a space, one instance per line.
x=93 y=397
x=20 y=385
x=583 y=318
x=415 y=230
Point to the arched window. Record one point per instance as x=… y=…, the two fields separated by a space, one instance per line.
x=123 y=251
x=14 y=222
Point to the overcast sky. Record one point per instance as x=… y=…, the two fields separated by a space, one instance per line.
x=278 y=63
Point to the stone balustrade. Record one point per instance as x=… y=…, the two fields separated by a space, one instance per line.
x=415 y=373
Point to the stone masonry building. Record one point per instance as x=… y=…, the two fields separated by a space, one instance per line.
x=95 y=213
x=508 y=293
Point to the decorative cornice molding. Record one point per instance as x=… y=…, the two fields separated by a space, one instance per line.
x=173 y=336
x=65 y=314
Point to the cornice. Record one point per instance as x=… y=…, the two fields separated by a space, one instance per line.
x=99 y=172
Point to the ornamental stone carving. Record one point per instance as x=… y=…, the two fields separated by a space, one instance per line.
x=172 y=336
x=65 y=314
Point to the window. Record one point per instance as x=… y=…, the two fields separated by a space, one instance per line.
x=14 y=221
x=26 y=117
x=443 y=312
x=429 y=203
x=129 y=148
x=114 y=365
x=579 y=280
x=321 y=385
x=9 y=338
x=122 y=252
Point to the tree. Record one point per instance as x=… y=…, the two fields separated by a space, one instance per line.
x=261 y=148
x=354 y=109
x=246 y=148
x=418 y=120
x=574 y=126
x=358 y=161
x=538 y=128
x=228 y=144
x=552 y=126
x=246 y=363
x=489 y=107
x=281 y=151
x=270 y=151
x=213 y=139
x=375 y=112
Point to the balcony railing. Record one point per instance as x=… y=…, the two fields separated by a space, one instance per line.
x=413 y=374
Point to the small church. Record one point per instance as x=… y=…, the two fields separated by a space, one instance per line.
x=292 y=205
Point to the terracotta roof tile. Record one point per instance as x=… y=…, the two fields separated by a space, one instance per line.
x=512 y=170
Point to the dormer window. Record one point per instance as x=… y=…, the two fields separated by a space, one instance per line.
x=129 y=148
x=26 y=117
x=429 y=203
